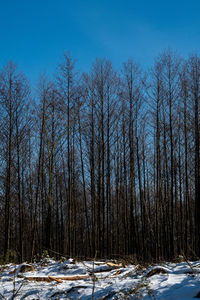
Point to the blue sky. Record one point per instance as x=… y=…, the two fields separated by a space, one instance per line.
x=35 y=33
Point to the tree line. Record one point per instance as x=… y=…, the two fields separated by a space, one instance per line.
x=104 y=163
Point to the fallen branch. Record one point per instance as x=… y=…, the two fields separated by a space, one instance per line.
x=55 y=279
x=47 y=279
x=156 y=271
x=103 y=270
x=114 y=266
x=50 y=278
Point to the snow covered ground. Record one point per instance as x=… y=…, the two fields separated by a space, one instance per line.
x=104 y=280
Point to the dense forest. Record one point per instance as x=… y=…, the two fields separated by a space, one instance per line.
x=104 y=163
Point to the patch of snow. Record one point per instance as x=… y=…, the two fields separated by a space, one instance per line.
x=180 y=282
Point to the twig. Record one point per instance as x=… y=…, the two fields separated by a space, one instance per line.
x=3 y=297
x=17 y=291
x=189 y=264
x=93 y=276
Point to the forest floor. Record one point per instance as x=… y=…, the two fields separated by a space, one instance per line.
x=68 y=279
